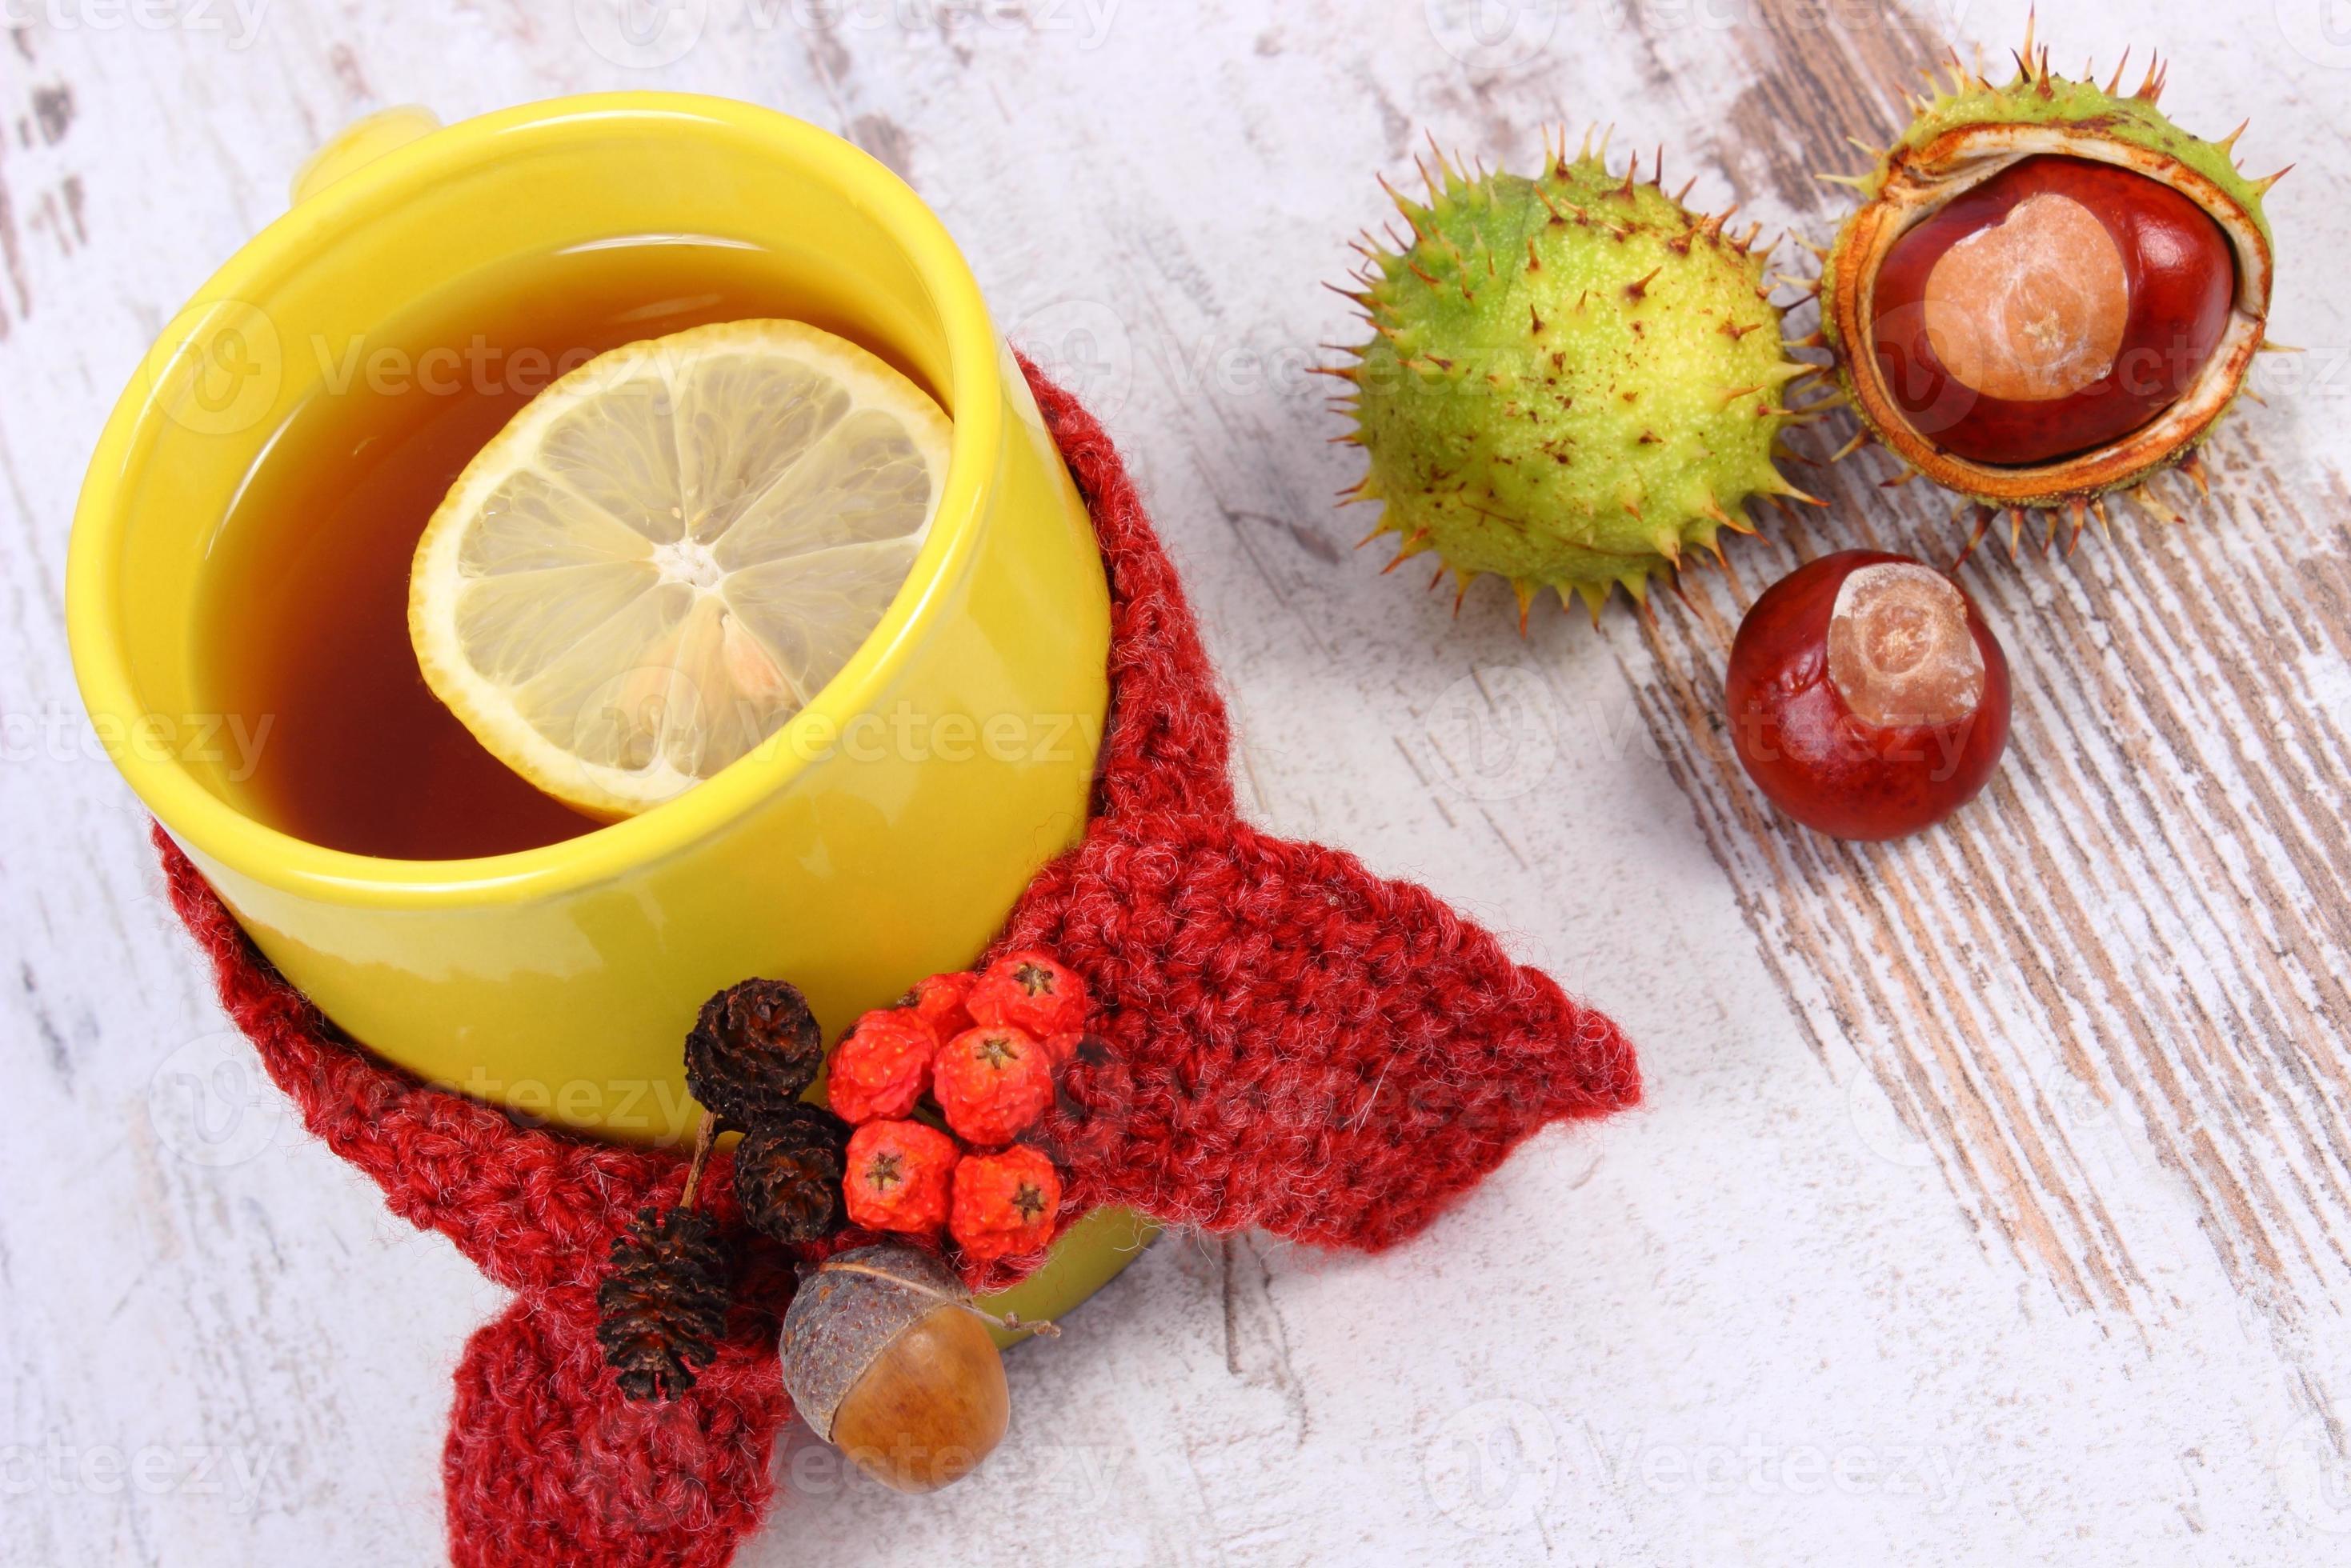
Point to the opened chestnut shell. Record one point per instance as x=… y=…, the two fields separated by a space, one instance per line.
x=2057 y=307
x=2049 y=293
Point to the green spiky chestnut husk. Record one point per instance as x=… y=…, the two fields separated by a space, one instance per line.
x=1572 y=381
x=1964 y=134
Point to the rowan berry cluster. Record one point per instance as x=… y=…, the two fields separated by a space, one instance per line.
x=975 y=1052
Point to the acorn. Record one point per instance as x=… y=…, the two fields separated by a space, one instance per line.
x=885 y=1357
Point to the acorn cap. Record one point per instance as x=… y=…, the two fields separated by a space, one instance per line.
x=847 y=1312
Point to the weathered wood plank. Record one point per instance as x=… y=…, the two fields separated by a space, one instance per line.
x=2151 y=765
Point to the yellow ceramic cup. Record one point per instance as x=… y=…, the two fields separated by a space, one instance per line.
x=880 y=837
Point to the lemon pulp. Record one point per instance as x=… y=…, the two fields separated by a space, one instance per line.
x=669 y=551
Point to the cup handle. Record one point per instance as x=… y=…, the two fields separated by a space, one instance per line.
x=363 y=141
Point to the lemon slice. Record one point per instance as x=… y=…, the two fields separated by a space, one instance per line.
x=668 y=552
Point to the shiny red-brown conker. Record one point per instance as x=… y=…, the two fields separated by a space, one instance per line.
x=1818 y=760
x=2180 y=275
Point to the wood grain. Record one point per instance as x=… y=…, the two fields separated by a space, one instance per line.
x=2117 y=932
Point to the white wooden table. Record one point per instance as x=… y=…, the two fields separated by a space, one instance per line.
x=1994 y=1201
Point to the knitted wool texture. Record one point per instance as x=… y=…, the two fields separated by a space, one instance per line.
x=1288 y=1042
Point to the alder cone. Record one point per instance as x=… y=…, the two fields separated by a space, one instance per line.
x=754 y=1048
x=788 y=1175
x=662 y=1310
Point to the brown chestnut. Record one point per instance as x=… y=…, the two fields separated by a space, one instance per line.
x=2058 y=306
x=1867 y=698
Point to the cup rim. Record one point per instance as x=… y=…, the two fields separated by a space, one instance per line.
x=215 y=830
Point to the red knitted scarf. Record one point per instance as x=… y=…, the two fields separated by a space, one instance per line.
x=1295 y=1044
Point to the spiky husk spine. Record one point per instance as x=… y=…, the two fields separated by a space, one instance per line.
x=2033 y=110
x=1572 y=380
